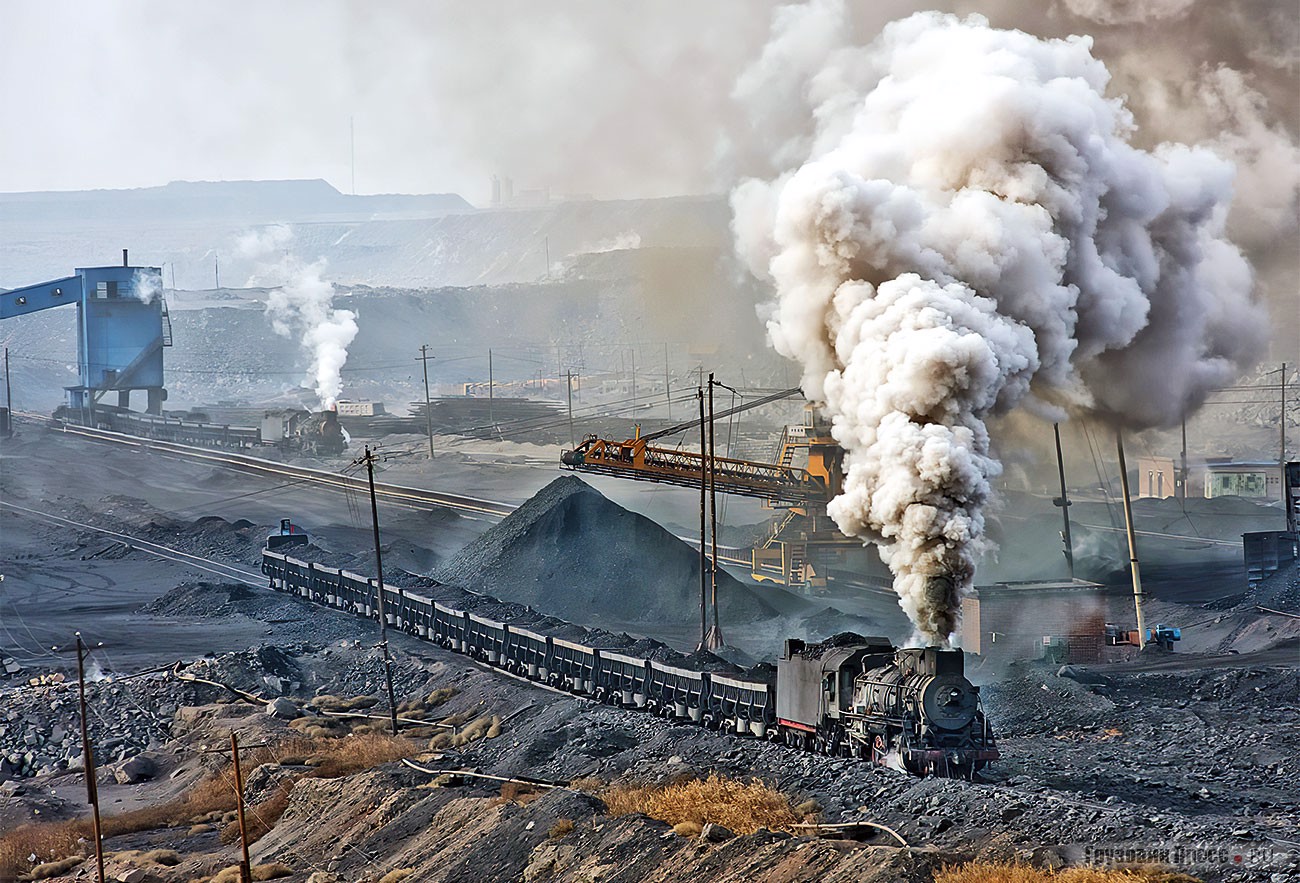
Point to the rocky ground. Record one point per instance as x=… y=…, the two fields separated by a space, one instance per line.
x=1188 y=756
x=1121 y=758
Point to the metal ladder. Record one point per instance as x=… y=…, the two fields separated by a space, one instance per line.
x=166 y=323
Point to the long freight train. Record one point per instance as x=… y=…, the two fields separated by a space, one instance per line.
x=851 y=697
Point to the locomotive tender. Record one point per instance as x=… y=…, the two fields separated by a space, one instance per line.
x=851 y=696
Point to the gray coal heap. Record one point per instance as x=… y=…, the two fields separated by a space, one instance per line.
x=571 y=552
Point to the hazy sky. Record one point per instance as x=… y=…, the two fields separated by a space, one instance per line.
x=607 y=97
x=129 y=93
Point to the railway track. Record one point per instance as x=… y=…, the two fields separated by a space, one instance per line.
x=208 y=565
x=394 y=493
x=410 y=497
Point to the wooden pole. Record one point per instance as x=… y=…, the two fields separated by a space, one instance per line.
x=245 y=869
x=1064 y=503
x=1282 y=451
x=1132 y=541
x=568 y=382
x=1181 y=483
x=704 y=487
x=491 y=418
x=379 y=591
x=88 y=760
x=668 y=390
x=9 y=395
x=428 y=408
x=715 y=637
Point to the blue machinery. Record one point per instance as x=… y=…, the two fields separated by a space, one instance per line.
x=122 y=327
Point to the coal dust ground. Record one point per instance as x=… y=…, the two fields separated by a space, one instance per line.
x=1194 y=753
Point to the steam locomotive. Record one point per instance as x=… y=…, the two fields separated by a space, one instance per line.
x=910 y=708
x=851 y=696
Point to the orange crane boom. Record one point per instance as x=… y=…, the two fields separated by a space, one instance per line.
x=639 y=461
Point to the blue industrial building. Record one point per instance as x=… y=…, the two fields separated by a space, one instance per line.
x=122 y=328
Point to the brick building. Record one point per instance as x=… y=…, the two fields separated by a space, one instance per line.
x=1021 y=620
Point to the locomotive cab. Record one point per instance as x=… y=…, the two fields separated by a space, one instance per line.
x=290 y=535
x=815 y=686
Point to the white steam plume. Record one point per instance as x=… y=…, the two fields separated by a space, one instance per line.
x=1128 y=11
x=146 y=286
x=301 y=307
x=971 y=230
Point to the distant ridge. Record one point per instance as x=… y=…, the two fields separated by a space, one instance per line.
x=247 y=201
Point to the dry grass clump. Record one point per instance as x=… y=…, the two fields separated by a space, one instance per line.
x=210 y=800
x=357 y=753
x=165 y=857
x=337 y=703
x=333 y=759
x=1011 y=872
x=55 y=869
x=560 y=828
x=486 y=727
x=428 y=703
x=259 y=872
x=261 y=817
x=201 y=828
x=517 y=792
x=48 y=841
x=742 y=807
x=587 y=784
x=396 y=875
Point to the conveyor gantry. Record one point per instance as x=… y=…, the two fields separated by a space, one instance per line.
x=122 y=328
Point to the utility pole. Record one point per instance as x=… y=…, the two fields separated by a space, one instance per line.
x=1064 y=502
x=369 y=459
x=88 y=760
x=245 y=870
x=428 y=407
x=216 y=271
x=546 y=243
x=1132 y=541
x=9 y=393
x=491 y=419
x=668 y=392
x=1181 y=482
x=568 y=378
x=1282 y=451
x=704 y=487
x=715 y=635
x=634 y=377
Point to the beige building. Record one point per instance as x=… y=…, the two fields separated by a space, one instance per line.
x=1157 y=477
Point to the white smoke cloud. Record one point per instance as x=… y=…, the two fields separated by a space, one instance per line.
x=1219 y=108
x=1128 y=11
x=300 y=306
x=970 y=230
x=146 y=286
x=628 y=239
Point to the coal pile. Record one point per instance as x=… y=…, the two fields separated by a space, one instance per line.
x=571 y=552
x=1280 y=591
